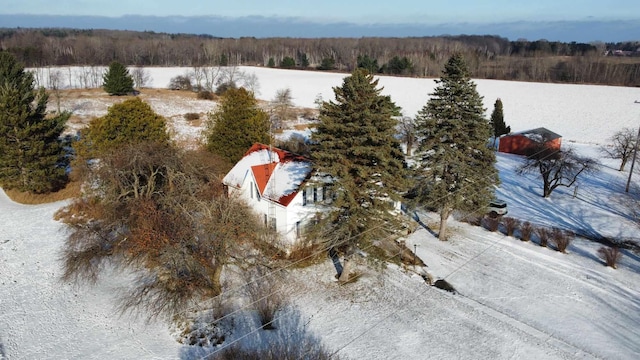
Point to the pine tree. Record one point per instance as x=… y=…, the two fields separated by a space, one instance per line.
x=355 y=145
x=32 y=157
x=237 y=124
x=131 y=121
x=497 y=121
x=117 y=80
x=366 y=62
x=456 y=166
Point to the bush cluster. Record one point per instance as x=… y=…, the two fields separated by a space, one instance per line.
x=560 y=239
x=191 y=116
x=525 y=231
x=510 y=225
x=205 y=95
x=491 y=223
x=543 y=236
x=610 y=255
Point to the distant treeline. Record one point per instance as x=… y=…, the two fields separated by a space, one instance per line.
x=490 y=57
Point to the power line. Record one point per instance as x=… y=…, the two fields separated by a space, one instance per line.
x=371 y=245
x=322 y=250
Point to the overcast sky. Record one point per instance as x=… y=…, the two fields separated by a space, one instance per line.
x=357 y=11
x=554 y=20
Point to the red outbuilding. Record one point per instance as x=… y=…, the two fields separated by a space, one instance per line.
x=529 y=142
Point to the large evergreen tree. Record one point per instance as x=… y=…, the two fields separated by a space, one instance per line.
x=355 y=145
x=497 y=121
x=32 y=157
x=456 y=166
x=117 y=80
x=237 y=124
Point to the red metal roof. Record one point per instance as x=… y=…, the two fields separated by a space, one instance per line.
x=278 y=174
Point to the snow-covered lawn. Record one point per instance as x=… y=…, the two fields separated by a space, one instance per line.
x=515 y=300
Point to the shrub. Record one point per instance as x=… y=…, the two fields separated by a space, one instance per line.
x=288 y=62
x=129 y=122
x=296 y=143
x=205 y=95
x=293 y=342
x=266 y=295
x=472 y=219
x=305 y=253
x=327 y=64
x=561 y=239
x=191 y=116
x=222 y=88
x=491 y=224
x=610 y=255
x=543 y=234
x=180 y=82
x=510 y=225
x=525 y=231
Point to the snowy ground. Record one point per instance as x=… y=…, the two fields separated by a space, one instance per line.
x=515 y=300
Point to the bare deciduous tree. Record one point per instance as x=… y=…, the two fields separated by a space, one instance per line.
x=160 y=212
x=621 y=148
x=55 y=83
x=266 y=293
x=281 y=106
x=251 y=83
x=407 y=129
x=557 y=168
x=141 y=77
x=206 y=77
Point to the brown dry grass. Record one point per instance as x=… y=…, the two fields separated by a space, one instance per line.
x=70 y=191
x=74 y=94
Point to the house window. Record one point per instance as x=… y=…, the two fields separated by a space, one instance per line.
x=272 y=223
x=298 y=230
x=315 y=195
x=304 y=197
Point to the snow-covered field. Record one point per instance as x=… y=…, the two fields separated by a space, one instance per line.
x=515 y=300
x=582 y=113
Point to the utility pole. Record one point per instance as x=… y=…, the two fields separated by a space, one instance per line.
x=635 y=151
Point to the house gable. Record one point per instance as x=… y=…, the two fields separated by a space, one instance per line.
x=278 y=174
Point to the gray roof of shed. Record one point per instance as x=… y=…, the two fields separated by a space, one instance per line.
x=540 y=134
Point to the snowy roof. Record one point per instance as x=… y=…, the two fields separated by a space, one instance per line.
x=540 y=135
x=277 y=173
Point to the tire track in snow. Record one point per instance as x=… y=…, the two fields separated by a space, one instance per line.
x=546 y=263
x=536 y=333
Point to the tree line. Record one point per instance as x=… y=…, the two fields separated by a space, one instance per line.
x=487 y=56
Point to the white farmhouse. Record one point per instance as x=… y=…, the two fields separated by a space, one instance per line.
x=276 y=184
